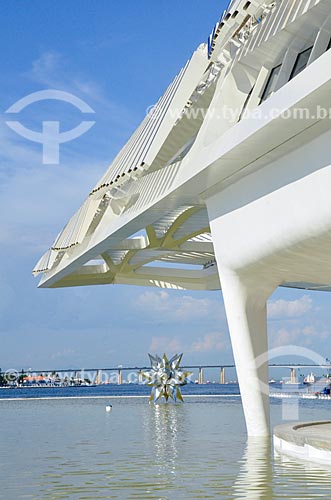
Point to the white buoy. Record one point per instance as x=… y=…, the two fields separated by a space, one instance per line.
x=109 y=408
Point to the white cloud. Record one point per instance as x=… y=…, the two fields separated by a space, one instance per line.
x=280 y=309
x=154 y=301
x=181 y=308
x=209 y=342
x=45 y=68
x=308 y=336
x=285 y=336
x=38 y=200
x=189 y=308
x=53 y=70
x=165 y=344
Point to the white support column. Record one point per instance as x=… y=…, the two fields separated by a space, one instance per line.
x=245 y=304
x=242 y=248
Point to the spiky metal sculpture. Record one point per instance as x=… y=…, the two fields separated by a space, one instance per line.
x=166 y=377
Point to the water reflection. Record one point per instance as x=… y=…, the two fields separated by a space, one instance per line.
x=264 y=477
x=300 y=479
x=254 y=481
x=165 y=424
x=193 y=451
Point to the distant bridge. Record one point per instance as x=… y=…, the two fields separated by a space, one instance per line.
x=293 y=367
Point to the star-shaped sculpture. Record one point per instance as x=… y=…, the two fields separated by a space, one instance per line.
x=166 y=377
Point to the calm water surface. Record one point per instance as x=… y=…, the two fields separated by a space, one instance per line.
x=74 y=449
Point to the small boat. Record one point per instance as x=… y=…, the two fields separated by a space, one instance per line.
x=310 y=379
x=309 y=396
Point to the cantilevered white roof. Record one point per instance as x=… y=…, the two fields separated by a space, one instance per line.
x=147 y=215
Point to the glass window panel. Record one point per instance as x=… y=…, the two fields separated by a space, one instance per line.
x=301 y=62
x=271 y=83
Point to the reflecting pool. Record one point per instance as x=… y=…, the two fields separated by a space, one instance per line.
x=74 y=449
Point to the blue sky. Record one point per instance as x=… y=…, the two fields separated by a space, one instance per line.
x=119 y=58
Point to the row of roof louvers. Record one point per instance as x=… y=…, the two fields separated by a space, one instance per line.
x=140 y=151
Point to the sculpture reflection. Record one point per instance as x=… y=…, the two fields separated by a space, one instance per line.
x=165 y=424
x=254 y=480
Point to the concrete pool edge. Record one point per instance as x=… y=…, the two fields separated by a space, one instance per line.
x=305 y=440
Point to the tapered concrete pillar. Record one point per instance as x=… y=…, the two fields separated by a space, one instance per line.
x=98 y=377
x=200 y=376
x=119 y=377
x=293 y=377
x=222 y=376
x=245 y=304
x=247 y=277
